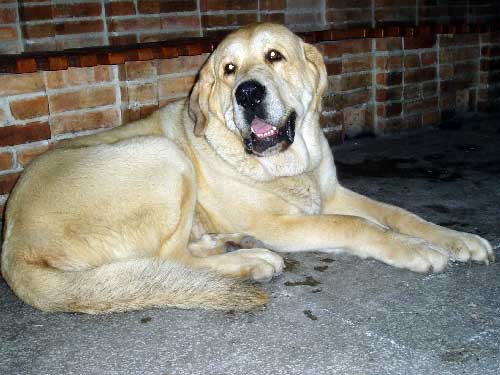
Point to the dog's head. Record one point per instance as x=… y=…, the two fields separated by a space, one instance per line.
x=260 y=94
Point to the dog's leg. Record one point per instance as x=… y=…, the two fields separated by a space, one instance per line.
x=214 y=244
x=255 y=264
x=352 y=234
x=460 y=246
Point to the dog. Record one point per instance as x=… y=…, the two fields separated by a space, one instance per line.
x=140 y=216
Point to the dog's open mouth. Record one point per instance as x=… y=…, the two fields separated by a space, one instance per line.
x=266 y=139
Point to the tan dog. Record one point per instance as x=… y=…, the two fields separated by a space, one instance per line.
x=123 y=224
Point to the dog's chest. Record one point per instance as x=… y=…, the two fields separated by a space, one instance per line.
x=300 y=194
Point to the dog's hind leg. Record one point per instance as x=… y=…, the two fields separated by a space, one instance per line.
x=255 y=264
x=214 y=244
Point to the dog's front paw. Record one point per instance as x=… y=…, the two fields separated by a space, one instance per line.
x=415 y=254
x=467 y=246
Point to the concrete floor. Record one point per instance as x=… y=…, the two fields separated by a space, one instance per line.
x=328 y=314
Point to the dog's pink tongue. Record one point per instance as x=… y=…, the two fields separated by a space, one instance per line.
x=260 y=127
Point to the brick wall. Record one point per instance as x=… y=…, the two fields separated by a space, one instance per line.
x=27 y=25
x=376 y=85
x=385 y=80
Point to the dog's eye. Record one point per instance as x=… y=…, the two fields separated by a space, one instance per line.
x=229 y=69
x=273 y=56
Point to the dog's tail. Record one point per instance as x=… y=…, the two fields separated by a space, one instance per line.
x=131 y=285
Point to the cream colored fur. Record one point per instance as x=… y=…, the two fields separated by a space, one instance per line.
x=121 y=220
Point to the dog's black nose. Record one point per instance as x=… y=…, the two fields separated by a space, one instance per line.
x=249 y=94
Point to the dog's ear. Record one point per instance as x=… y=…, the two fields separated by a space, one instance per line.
x=316 y=63
x=198 y=100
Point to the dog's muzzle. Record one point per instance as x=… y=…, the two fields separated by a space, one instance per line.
x=263 y=137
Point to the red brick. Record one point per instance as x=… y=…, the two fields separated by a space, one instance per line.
x=341 y=4
x=389 y=44
x=412 y=61
x=390 y=79
x=181 y=64
x=419 y=75
x=3 y=117
x=102 y=73
x=168 y=35
x=43 y=30
x=304 y=18
x=19 y=134
x=458 y=40
x=207 y=5
x=7 y=182
x=7 y=15
x=173 y=23
x=356 y=64
x=6 y=161
x=389 y=62
x=12 y=84
x=142 y=92
x=412 y=92
x=84 y=98
x=134 y=24
x=79 y=27
x=389 y=110
x=329 y=120
x=178 y=86
x=429 y=58
x=272 y=4
x=393 y=93
x=70 y=122
x=397 y=124
x=429 y=89
x=23 y=109
x=82 y=41
x=35 y=13
x=78 y=76
x=273 y=17
x=122 y=40
x=76 y=10
x=334 y=67
x=467 y=53
x=148 y=6
x=8 y=33
x=159 y=6
x=224 y=20
x=343 y=100
x=419 y=42
x=421 y=106
x=355 y=81
x=349 y=16
x=354 y=119
x=140 y=70
x=398 y=14
x=137 y=113
x=26 y=153
x=469 y=67
x=178 y=6
x=336 y=49
x=120 y=8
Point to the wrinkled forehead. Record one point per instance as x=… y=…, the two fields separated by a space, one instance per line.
x=249 y=41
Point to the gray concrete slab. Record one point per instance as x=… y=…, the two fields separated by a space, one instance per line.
x=355 y=317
